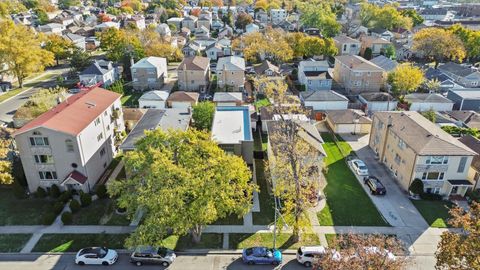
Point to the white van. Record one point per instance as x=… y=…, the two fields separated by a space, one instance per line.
x=306 y=255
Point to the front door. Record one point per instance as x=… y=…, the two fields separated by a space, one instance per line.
x=454 y=190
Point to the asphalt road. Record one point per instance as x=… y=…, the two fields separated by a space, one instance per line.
x=10 y=106
x=183 y=262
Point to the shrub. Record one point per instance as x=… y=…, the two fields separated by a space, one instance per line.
x=67 y=218
x=54 y=191
x=431 y=197
x=101 y=192
x=58 y=207
x=65 y=196
x=74 y=206
x=41 y=193
x=19 y=192
x=49 y=218
x=85 y=199
x=416 y=187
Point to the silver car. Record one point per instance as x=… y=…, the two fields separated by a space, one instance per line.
x=152 y=255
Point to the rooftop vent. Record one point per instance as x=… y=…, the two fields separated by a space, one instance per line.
x=90 y=104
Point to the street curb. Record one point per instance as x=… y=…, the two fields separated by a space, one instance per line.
x=181 y=252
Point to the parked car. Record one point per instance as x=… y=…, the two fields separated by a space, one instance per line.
x=359 y=167
x=375 y=186
x=306 y=255
x=96 y=255
x=262 y=255
x=74 y=91
x=152 y=255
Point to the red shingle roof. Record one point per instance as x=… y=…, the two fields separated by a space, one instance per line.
x=76 y=113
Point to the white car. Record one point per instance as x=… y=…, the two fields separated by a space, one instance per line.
x=96 y=255
x=359 y=167
x=306 y=255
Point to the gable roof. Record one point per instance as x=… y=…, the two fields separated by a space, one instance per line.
x=384 y=62
x=345 y=39
x=377 y=96
x=95 y=68
x=427 y=98
x=457 y=69
x=347 y=117
x=357 y=62
x=264 y=66
x=155 y=95
x=74 y=114
x=231 y=63
x=149 y=62
x=474 y=144
x=322 y=96
x=184 y=96
x=195 y=63
x=470 y=118
x=423 y=136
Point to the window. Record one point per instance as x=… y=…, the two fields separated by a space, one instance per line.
x=433 y=176
x=134 y=70
x=97 y=121
x=47 y=175
x=369 y=73
x=108 y=127
x=357 y=74
x=151 y=80
x=39 y=141
x=401 y=144
x=102 y=152
x=100 y=137
x=357 y=83
x=344 y=47
x=69 y=145
x=398 y=159
x=43 y=159
x=436 y=160
x=461 y=165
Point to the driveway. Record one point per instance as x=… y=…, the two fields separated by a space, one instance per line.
x=395 y=206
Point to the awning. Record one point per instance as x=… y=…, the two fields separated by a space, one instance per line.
x=460 y=183
x=75 y=176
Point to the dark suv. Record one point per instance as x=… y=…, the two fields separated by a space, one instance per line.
x=152 y=255
x=375 y=186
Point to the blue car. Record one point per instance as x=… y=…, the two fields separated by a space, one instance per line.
x=262 y=255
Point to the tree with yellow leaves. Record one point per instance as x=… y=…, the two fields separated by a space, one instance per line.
x=6 y=176
x=406 y=78
x=438 y=44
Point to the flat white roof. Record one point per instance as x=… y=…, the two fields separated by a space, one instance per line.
x=231 y=125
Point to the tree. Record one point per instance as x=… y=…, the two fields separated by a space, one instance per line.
x=120 y=45
x=66 y=4
x=243 y=19
x=470 y=39
x=21 y=52
x=183 y=181
x=460 y=250
x=312 y=46
x=203 y=115
x=416 y=187
x=412 y=14
x=432 y=85
x=59 y=46
x=321 y=16
x=11 y=7
x=368 y=53
x=390 y=52
x=406 y=78
x=227 y=18
x=438 y=44
x=385 y=17
x=359 y=252
x=430 y=115
x=117 y=87
x=6 y=172
x=79 y=60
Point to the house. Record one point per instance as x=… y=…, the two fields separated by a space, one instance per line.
x=52 y=28
x=228 y=98
x=182 y=99
x=78 y=41
x=266 y=68
x=434 y=14
x=465 y=76
x=382 y=33
x=402 y=35
x=190 y=22
x=216 y=25
x=232 y=130
x=252 y=27
x=149 y=73
x=177 y=21
x=474 y=170
x=312 y=31
x=324 y=100
x=313 y=75
x=72 y=144
x=225 y=32
x=377 y=101
x=468 y=119
x=192 y=49
x=261 y=16
x=348 y=121
x=385 y=63
x=445 y=81
x=165 y=119
x=376 y=44
x=202 y=32
x=164 y=30
x=278 y=15
x=106 y=25
x=100 y=71
x=205 y=20
x=357 y=74
x=297 y=112
x=194 y=74
x=217 y=50
x=403 y=52
x=137 y=21
x=465 y=98
x=347 y=45
x=428 y=101
x=413 y=147
x=153 y=100
x=231 y=73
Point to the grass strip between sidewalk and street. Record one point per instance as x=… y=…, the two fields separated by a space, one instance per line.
x=13 y=242
x=347 y=202
x=283 y=241
x=75 y=242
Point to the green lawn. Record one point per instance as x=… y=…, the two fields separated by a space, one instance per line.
x=434 y=212
x=267 y=205
x=22 y=212
x=347 y=202
x=100 y=212
x=284 y=240
x=260 y=141
x=261 y=103
x=74 y=242
x=13 y=242
x=130 y=99
x=208 y=241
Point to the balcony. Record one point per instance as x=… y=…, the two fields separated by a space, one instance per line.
x=431 y=168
